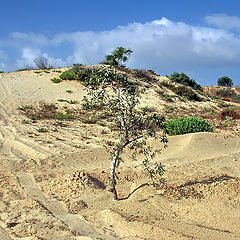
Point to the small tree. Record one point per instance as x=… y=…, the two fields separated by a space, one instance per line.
x=113 y=92
x=44 y=63
x=225 y=81
x=118 y=57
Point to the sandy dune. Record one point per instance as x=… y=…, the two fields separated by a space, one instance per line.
x=54 y=185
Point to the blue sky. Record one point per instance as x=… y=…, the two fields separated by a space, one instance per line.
x=200 y=38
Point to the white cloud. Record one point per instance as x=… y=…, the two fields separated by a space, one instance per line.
x=28 y=55
x=223 y=21
x=162 y=45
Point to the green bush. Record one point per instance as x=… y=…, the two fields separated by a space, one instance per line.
x=69 y=75
x=185 y=125
x=225 y=81
x=187 y=92
x=237 y=99
x=182 y=78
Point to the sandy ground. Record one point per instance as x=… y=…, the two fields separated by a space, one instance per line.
x=54 y=185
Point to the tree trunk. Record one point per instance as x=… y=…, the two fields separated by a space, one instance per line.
x=113 y=175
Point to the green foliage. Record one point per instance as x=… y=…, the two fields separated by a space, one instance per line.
x=69 y=75
x=169 y=98
x=42 y=130
x=237 y=98
x=167 y=84
x=116 y=94
x=118 y=57
x=1 y=71
x=182 y=78
x=56 y=80
x=24 y=107
x=147 y=109
x=187 y=92
x=185 y=125
x=182 y=91
x=225 y=81
x=63 y=116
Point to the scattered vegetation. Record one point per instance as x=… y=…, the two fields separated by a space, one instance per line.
x=225 y=81
x=182 y=78
x=187 y=92
x=1 y=71
x=142 y=75
x=237 y=98
x=185 y=125
x=184 y=92
x=231 y=111
x=226 y=93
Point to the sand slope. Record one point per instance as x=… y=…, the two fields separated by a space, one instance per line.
x=51 y=189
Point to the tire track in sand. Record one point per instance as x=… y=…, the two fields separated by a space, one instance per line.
x=11 y=145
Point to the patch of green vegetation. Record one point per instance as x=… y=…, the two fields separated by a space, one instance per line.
x=182 y=78
x=1 y=71
x=167 y=84
x=69 y=75
x=147 y=109
x=33 y=117
x=57 y=71
x=185 y=125
x=63 y=116
x=25 y=107
x=42 y=130
x=237 y=99
x=187 y=92
x=169 y=98
x=56 y=80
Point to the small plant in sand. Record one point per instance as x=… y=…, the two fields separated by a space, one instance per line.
x=56 y=80
x=113 y=92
